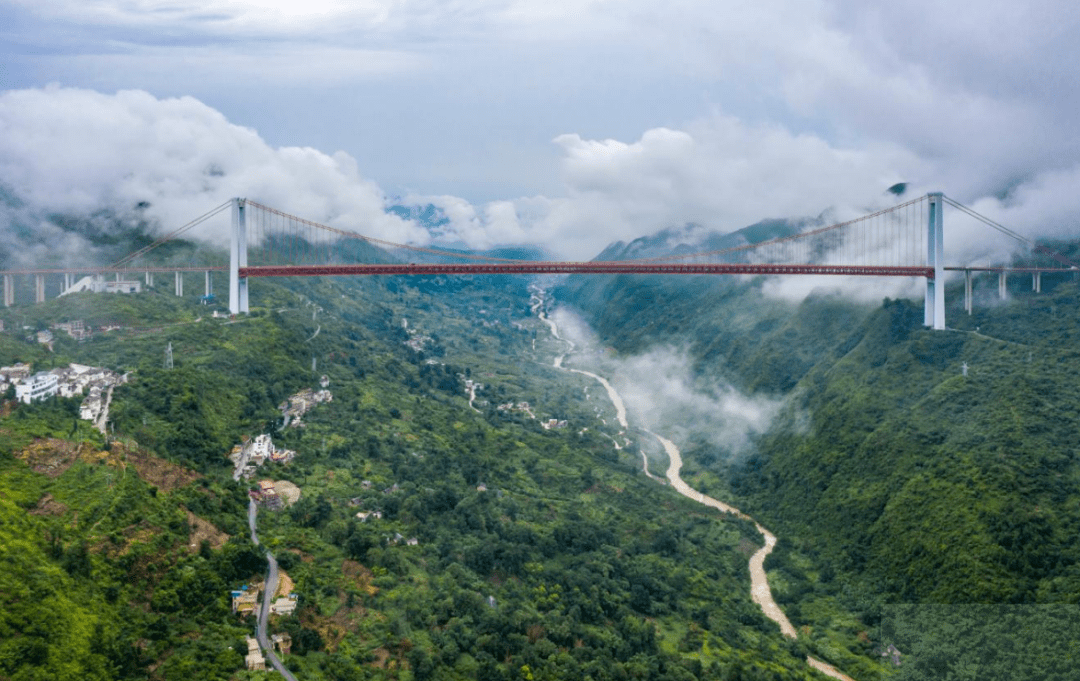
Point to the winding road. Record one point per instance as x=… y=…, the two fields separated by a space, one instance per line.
x=759 y=581
x=268 y=596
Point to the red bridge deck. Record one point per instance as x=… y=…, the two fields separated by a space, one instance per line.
x=582 y=268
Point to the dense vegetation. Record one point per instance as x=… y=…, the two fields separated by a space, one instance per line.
x=893 y=474
x=539 y=553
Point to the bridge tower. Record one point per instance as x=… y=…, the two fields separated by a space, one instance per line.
x=238 y=286
x=934 y=308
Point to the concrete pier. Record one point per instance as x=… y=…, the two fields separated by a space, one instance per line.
x=968 y=302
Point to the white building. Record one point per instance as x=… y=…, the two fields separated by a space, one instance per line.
x=16 y=373
x=75 y=328
x=38 y=387
x=97 y=284
x=284 y=606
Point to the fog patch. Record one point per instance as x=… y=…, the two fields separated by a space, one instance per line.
x=574 y=329
x=661 y=390
x=856 y=288
x=663 y=393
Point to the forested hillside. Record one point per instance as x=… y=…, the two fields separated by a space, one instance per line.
x=501 y=550
x=907 y=465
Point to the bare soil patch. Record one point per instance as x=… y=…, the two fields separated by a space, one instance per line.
x=47 y=505
x=380 y=655
x=115 y=546
x=285 y=584
x=287 y=491
x=334 y=628
x=164 y=475
x=52 y=456
x=360 y=575
x=204 y=530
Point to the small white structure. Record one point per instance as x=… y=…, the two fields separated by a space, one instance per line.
x=97 y=284
x=75 y=328
x=16 y=373
x=123 y=287
x=299 y=404
x=254 y=452
x=40 y=386
x=284 y=606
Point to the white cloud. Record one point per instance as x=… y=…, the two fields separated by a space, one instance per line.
x=719 y=173
x=77 y=152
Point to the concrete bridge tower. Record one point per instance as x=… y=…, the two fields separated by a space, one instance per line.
x=238 y=286
x=934 y=307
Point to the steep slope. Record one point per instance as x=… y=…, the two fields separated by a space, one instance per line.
x=899 y=475
x=539 y=552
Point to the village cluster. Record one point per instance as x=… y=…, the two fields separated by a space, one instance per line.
x=245 y=601
x=546 y=424
x=76 y=328
x=70 y=381
x=251 y=454
x=296 y=406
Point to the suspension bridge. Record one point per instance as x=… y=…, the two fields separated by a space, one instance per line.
x=906 y=240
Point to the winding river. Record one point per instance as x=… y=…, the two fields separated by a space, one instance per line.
x=759 y=581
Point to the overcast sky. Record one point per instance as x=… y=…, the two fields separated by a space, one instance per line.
x=562 y=122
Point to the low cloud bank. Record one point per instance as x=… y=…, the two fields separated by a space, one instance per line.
x=131 y=158
x=69 y=153
x=662 y=393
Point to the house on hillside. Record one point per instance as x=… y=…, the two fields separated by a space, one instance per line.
x=245 y=600
x=267 y=496
x=283 y=642
x=38 y=387
x=254 y=658
x=17 y=372
x=284 y=606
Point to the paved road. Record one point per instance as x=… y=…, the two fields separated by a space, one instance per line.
x=103 y=418
x=268 y=597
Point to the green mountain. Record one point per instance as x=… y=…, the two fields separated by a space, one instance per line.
x=504 y=549
x=908 y=465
